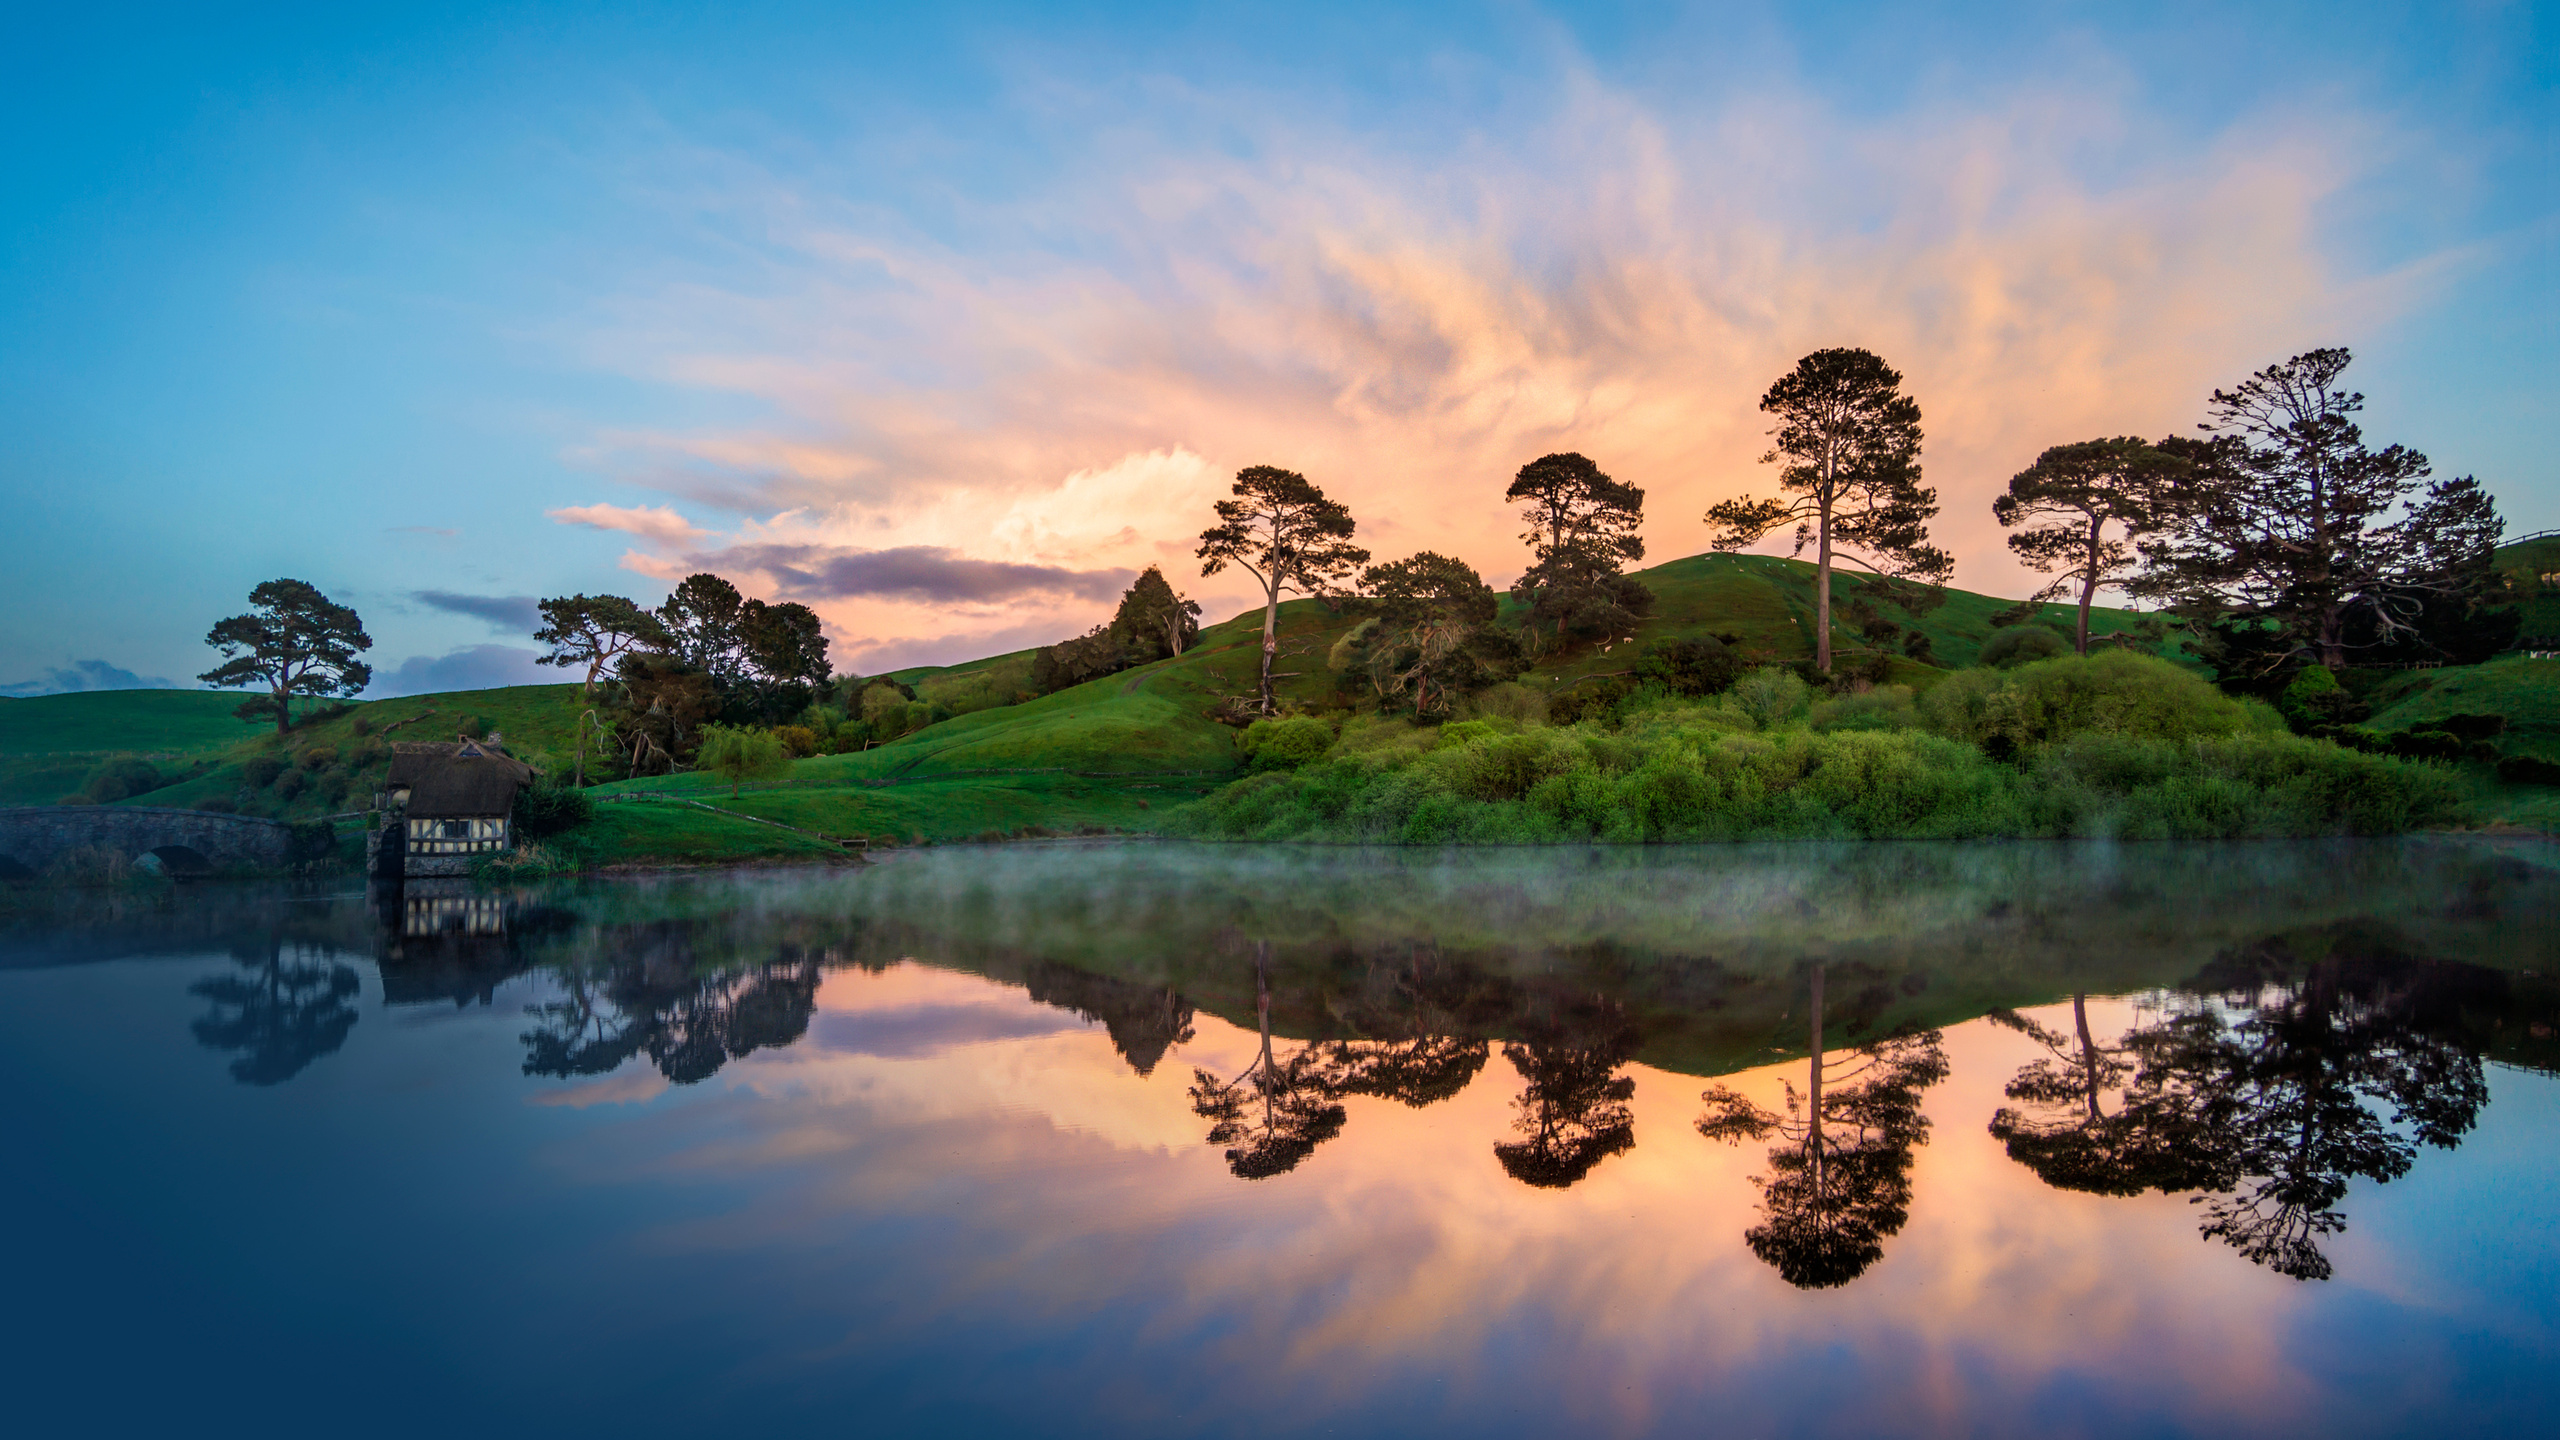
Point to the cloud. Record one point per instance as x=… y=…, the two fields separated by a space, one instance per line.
x=512 y=614
x=1066 y=376
x=86 y=675
x=659 y=523
x=473 y=667
x=927 y=573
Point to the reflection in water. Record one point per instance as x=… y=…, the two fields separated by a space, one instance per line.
x=1573 y=1113
x=650 y=998
x=1143 y=1021
x=282 y=1014
x=1840 y=1181
x=1286 y=1107
x=2291 y=1067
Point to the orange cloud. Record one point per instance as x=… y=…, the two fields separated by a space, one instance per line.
x=659 y=523
x=1408 y=332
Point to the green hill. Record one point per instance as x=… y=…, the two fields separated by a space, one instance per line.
x=1112 y=754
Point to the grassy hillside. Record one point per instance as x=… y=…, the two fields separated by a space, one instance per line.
x=166 y=722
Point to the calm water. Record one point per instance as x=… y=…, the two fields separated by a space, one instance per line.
x=1146 y=1140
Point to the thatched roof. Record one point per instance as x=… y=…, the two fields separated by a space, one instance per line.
x=456 y=781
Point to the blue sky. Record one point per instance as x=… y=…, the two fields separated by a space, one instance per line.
x=946 y=322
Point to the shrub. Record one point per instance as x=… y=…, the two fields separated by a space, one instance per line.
x=289 y=784
x=2316 y=704
x=2021 y=645
x=2528 y=770
x=1284 y=743
x=849 y=737
x=738 y=755
x=1700 y=666
x=262 y=770
x=317 y=757
x=2114 y=691
x=1509 y=700
x=1771 y=696
x=121 y=778
x=800 y=740
x=1593 y=700
x=1883 y=707
x=543 y=811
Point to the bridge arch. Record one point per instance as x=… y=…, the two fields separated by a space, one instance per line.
x=34 y=836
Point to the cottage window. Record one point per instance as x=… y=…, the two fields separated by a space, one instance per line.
x=457 y=829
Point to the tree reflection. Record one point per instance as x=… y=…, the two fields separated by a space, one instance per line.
x=688 y=1025
x=1143 y=1021
x=1573 y=1113
x=282 y=1014
x=1279 y=1110
x=1840 y=1179
x=2289 y=1072
x=2079 y=1130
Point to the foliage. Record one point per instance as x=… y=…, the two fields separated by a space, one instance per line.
x=294 y=641
x=2078 y=491
x=121 y=778
x=766 y=660
x=1283 y=744
x=1851 y=442
x=659 y=706
x=543 y=811
x=1582 y=534
x=2021 y=645
x=1434 y=639
x=1770 y=696
x=738 y=754
x=1153 y=620
x=2316 y=704
x=594 y=630
x=2112 y=692
x=1281 y=530
x=2305 y=543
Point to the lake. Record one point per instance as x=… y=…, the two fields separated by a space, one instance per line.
x=1145 y=1139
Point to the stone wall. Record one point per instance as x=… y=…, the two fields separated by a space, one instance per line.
x=34 y=835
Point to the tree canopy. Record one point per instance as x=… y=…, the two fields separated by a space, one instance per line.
x=1582 y=534
x=595 y=630
x=2304 y=543
x=1850 y=442
x=294 y=641
x=1286 y=534
x=2069 y=498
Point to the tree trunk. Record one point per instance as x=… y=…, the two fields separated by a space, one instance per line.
x=2333 y=645
x=1270 y=635
x=1822 y=611
x=284 y=707
x=1813 y=1111
x=2089 y=584
x=2088 y=1051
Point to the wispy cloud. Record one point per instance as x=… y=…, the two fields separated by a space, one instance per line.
x=1409 y=329
x=926 y=573
x=86 y=675
x=472 y=667
x=509 y=614
x=658 y=523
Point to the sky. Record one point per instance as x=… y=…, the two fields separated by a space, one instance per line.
x=947 y=320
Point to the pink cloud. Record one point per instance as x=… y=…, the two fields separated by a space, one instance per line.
x=1408 y=332
x=659 y=523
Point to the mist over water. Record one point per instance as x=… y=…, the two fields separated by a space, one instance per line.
x=1166 y=1139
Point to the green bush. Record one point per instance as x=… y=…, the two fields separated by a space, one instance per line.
x=262 y=770
x=318 y=757
x=1706 y=772
x=2114 y=691
x=543 y=811
x=2314 y=703
x=737 y=755
x=2021 y=645
x=1284 y=743
x=1883 y=707
x=1771 y=696
x=121 y=778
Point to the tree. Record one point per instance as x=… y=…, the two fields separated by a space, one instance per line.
x=1582 y=533
x=1851 y=442
x=737 y=754
x=2308 y=542
x=283 y=1014
x=594 y=630
x=2079 y=490
x=294 y=641
x=2064 y=1130
x=702 y=618
x=1573 y=1112
x=1153 y=622
x=1281 y=530
x=1279 y=1110
x=1435 y=632
x=659 y=705
x=783 y=648
x=1840 y=1181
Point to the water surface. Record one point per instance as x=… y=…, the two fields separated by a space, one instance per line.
x=1142 y=1139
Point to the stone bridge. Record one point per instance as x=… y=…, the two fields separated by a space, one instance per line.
x=185 y=841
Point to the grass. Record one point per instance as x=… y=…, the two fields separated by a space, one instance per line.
x=94 y=722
